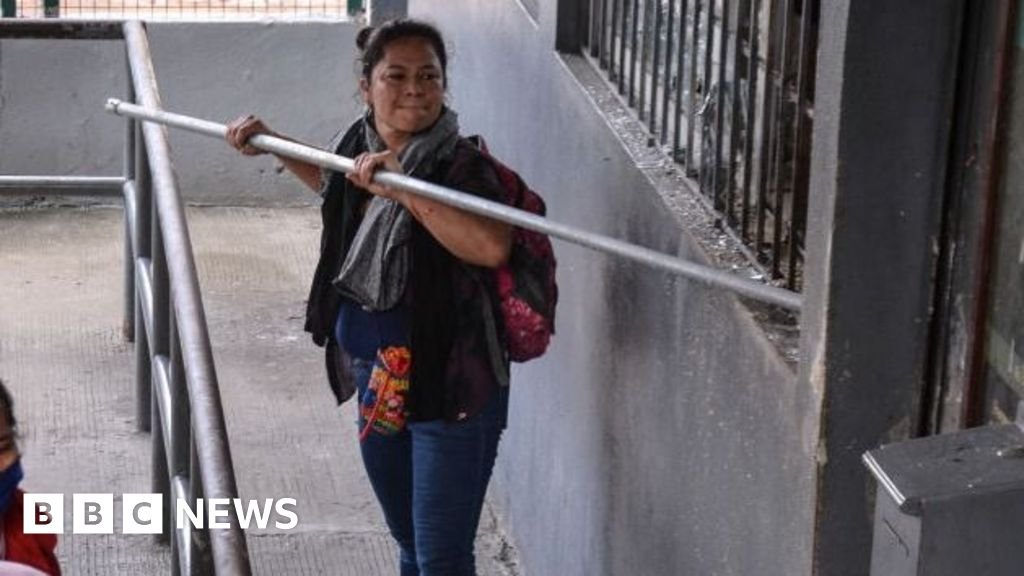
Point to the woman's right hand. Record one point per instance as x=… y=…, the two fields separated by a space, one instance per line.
x=241 y=129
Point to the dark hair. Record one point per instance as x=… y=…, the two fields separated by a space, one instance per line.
x=7 y=406
x=372 y=42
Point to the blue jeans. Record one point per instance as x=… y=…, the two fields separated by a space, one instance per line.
x=430 y=480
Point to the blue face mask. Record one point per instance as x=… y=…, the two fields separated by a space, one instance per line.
x=9 y=480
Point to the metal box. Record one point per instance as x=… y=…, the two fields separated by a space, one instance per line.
x=950 y=505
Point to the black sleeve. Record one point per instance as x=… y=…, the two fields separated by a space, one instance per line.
x=474 y=173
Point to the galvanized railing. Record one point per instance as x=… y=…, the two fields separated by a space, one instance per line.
x=727 y=88
x=705 y=274
x=176 y=383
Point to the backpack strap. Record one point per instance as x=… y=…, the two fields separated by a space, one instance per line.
x=498 y=359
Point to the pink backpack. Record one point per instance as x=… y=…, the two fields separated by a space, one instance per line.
x=527 y=290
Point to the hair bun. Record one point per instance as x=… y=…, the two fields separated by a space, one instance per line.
x=363 y=37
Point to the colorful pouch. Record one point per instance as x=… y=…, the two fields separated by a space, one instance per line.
x=383 y=406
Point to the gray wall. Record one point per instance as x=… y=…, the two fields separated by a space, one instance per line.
x=662 y=433
x=299 y=76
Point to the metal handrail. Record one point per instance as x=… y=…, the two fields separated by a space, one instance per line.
x=176 y=383
x=109 y=184
x=706 y=274
x=192 y=458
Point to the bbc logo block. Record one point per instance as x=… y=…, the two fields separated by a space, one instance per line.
x=44 y=514
x=142 y=513
x=93 y=514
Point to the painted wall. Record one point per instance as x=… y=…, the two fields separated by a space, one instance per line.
x=662 y=433
x=298 y=75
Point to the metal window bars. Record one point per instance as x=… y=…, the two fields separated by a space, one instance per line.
x=176 y=382
x=727 y=89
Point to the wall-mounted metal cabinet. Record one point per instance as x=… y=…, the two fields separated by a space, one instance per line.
x=950 y=505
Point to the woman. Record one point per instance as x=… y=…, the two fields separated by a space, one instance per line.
x=19 y=550
x=400 y=295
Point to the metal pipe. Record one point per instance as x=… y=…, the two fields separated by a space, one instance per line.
x=181 y=548
x=180 y=418
x=802 y=141
x=216 y=469
x=768 y=125
x=143 y=231
x=691 y=109
x=634 y=27
x=160 y=479
x=677 y=136
x=128 y=280
x=742 y=25
x=753 y=70
x=624 y=29
x=643 y=51
x=143 y=368
x=128 y=169
x=68 y=185
x=652 y=119
x=700 y=272
x=667 y=73
x=200 y=559
x=716 y=166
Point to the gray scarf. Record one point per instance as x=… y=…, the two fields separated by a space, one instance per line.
x=375 y=268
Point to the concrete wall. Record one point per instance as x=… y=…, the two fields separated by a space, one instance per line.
x=299 y=76
x=662 y=433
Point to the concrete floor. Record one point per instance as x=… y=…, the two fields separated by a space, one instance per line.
x=71 y=373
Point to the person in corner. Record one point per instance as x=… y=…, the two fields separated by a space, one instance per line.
x=401 y=297
x=20 y=553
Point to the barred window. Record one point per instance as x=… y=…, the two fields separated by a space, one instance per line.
x=727 y=88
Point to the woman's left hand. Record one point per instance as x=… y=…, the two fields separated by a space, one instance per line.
x=367 y=164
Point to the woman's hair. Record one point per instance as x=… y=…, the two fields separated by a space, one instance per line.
x=7 y=406
x=372 y=42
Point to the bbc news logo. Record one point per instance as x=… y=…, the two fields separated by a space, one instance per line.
x=143 y=513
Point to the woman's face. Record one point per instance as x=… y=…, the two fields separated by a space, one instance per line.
x=405 y=90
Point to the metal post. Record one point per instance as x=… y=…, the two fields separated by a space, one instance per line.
x=691 y=108
x=180 y=425
x=656 y=73
x=143 y=368
x=142 y=263
x=161 y=481
x=201 y=554
x=128 y=322
x=160 y=330
x=69 y=185
x=677 y=136
x=753 y=34
x=181 y=415
x=180 y=433
x=159 y=345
